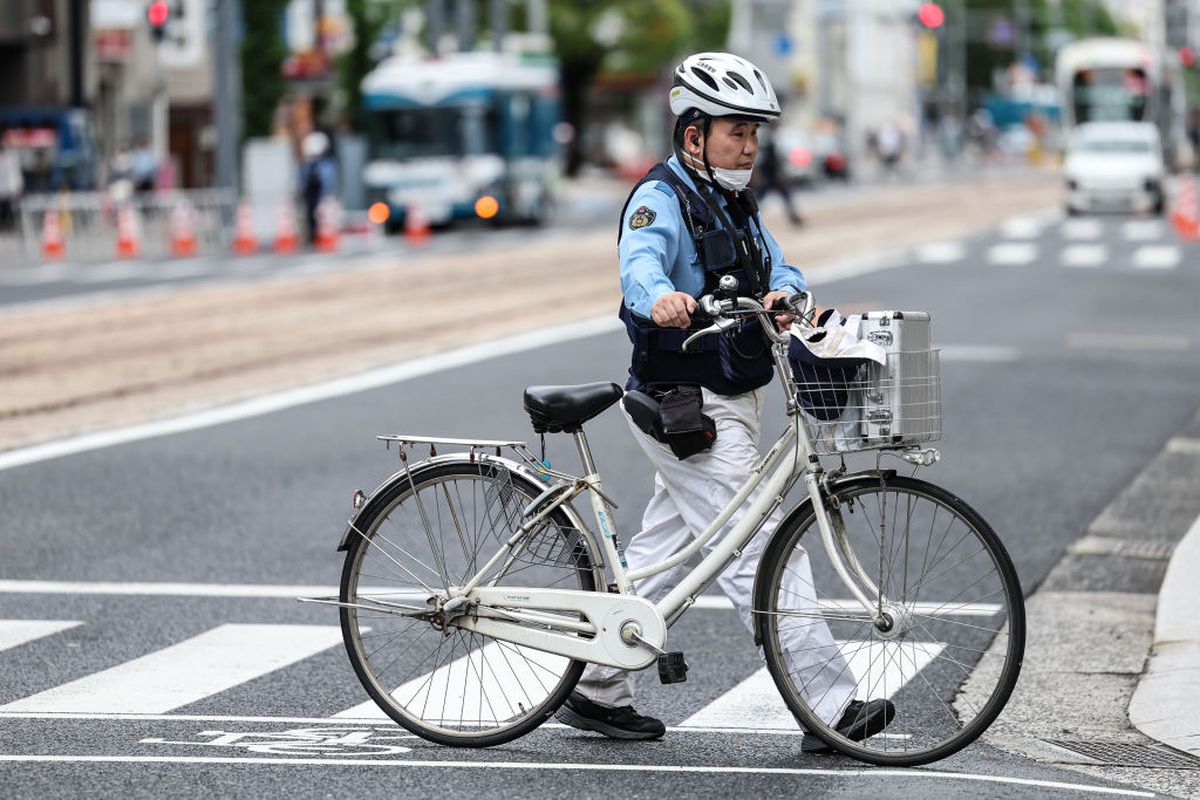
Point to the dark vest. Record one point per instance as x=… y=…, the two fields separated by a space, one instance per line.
x=735 y=361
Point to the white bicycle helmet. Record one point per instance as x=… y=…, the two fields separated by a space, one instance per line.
x=723 y=85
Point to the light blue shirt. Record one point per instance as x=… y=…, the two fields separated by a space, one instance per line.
x=660 y=257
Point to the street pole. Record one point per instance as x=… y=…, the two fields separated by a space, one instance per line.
x=434 y=22
x=499 y=15
x=77 y=22
x=1024 y=30
x=227 y=101
x=466 y=25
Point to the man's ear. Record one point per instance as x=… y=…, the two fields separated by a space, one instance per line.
x=692 y=136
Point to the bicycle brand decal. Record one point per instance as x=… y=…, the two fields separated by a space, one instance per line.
x=302 y=741
x=608 y=534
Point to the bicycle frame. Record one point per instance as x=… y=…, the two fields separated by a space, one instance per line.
x=790 y=457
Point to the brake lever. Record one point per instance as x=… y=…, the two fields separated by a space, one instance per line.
x=718 y=326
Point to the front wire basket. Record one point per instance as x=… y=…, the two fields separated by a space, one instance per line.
x=874 y=406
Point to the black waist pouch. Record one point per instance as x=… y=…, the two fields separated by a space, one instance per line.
x=685 y=428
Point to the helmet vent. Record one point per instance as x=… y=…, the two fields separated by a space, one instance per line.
x=706 y=79
x=733 y=78
x=762 y=82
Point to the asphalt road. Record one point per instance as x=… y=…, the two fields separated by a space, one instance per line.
x=1071 y=352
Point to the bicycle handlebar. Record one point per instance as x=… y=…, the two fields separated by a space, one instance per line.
x=800 y=305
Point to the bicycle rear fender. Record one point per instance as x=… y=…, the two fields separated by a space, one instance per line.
x=378 y=495
x=798 y=513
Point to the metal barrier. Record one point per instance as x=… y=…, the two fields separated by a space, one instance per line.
x=95 y=226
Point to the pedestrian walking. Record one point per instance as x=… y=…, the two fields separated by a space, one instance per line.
x=318 y=178
x=687 y=225
x=773 y=176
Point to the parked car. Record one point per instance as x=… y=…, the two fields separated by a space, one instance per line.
x=1115 y=166
x=831 y=156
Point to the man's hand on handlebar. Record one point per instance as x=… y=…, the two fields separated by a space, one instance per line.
x=675 y=309
x=782 y=321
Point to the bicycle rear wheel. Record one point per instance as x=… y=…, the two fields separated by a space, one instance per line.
x=944 y=642
x=439 y=681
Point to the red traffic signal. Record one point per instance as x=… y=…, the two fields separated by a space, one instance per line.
x=1187 y=56
x=931 y=15
x=158 y=12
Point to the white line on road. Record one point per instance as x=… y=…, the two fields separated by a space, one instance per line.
x=1128 y=341
x=1076 y=229
x=1024 y=227
x=1012 y=254
x=269 y=404
x=580 y=767
x=979 y=352
x=755 y=703
x=1142 y=230
x=941 y=253
x=1084 y=255
x=1162 y=256
x=291 y=592
x=183 y=673
x=505 y=672
x=15 y=632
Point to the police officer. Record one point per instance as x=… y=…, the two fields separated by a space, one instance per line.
x=686 y=225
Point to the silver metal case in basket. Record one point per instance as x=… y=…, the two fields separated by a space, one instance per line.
x=901 y=403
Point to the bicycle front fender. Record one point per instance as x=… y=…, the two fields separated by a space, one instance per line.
x=797 y=515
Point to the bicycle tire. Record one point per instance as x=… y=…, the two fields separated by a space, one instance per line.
x=942 y=654
x=486 y=666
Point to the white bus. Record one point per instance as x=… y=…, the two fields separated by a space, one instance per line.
x=1124 y=80
x=444 y=132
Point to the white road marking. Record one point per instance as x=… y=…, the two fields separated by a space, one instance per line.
x=941 y=253
x=1012 y=254
x=1128 y=341
x=1076 y=229
x=14 y=632
x=755 y=704
x=1142 y=230
x=30 y=276
x=1024 y=227
x=720 y=601
x=291 y=592
x=269 y=404
x=480 y=686
x=979 y=352
x=183 y=673
x=1084 y=255
x=578 y=767
x=1162 y=256
x=113 y=271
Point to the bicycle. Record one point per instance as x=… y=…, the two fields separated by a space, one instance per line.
x=473 y=592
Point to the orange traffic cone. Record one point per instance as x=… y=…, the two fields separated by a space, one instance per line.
x=329 y=215
x=287 y=237
x=416 y=225
x=53 y=246
x=245 y=243
x=127 y=233
x=183 y=229
x=1186 y=216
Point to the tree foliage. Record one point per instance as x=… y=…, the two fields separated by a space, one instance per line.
x=263 y=54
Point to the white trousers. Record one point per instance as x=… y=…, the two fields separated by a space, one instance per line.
x=688 y=495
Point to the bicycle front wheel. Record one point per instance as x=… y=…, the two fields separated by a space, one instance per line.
x=943 y=641
x=423 y=536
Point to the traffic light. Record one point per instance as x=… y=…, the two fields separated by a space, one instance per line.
x=1187 y=57
x=158 y=13
x=931 y=15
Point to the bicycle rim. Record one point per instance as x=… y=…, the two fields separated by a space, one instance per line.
x=948 y=654
x=439 y=681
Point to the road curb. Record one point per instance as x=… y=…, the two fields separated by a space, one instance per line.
x=1165 y=705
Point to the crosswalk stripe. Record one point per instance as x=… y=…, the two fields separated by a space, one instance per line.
x=186 y=672
x=1011 y=254
x=1076 y=229
x=1022 y=228
x=480 y=686
x=1142 y=230
x=1164 y=256
x=1084 y=255
x=14 y=632
x=941 y=253
x=755 y=703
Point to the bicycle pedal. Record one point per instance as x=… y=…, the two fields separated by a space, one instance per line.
x=672 y=668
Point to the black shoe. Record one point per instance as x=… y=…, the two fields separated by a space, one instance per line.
x=619 y=723
x=860 y=721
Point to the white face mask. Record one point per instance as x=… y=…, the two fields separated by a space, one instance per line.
x=734 y=180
